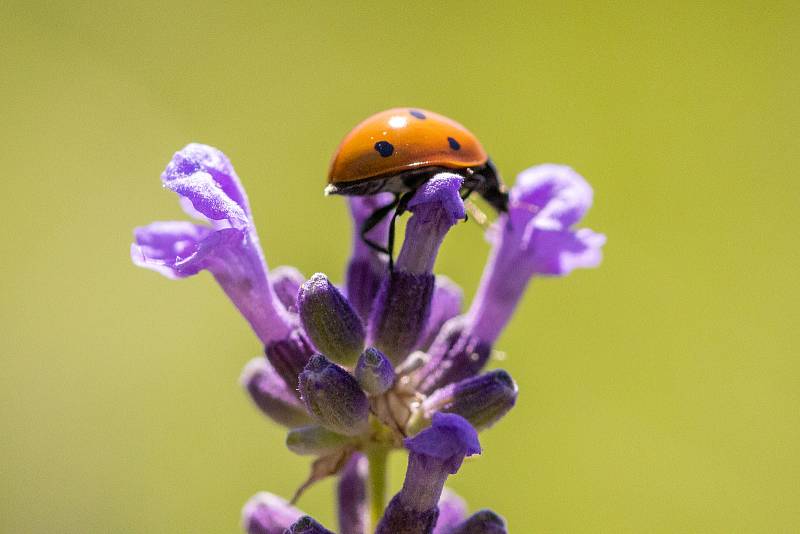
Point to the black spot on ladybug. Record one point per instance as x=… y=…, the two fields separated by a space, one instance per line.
x=384 y=148
x=417 y=114
x=453 y=143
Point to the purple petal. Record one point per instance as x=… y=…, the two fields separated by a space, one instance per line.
x=560 y=252
x=436 y=206
x=443 y=189
x=557 y=195
x=266 y=513
x=209 y=199
x=194 y=158
x=452 y=511
x=450 y=438
x=159 y=245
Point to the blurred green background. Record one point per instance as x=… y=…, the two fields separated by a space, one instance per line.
x=659 y=393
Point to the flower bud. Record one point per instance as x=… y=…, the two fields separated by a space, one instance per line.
x=374 y=372
x=481 y=522
x=266 y=513
x=481 y=400
x=270 y=393
x=329 y=320
x=307 y=525
x=334 y=397
x=314 y=440
x=286 y=282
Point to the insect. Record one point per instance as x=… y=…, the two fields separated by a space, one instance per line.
x=398 y=150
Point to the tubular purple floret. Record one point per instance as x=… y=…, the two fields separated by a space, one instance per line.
x=351 y=494
x=270 y=394
x=286 y=282
x=289 y=356
x=266 y=513
x=402 y=307
x=455 y=355
x=535 y=237
x=452 y=511
x=434 y=454
x=227 y=246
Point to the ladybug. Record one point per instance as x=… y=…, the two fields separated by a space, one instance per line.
x=398 y=150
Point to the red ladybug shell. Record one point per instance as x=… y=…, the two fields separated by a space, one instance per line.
x=403 y=139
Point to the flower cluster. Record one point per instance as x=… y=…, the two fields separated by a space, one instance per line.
x=389 y=361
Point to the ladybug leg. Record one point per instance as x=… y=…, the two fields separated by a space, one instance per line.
x=373 y=220
x=402 y=205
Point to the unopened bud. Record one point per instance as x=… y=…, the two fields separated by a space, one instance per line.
x=374 y=372
x=334 y=397
x=481 y=400
x=481 y=522
x=329 y=320
x=307 y=525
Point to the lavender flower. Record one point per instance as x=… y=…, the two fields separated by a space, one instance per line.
x=417 y=386
x=227 y=245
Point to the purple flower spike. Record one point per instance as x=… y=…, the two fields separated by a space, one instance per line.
x=452 y=511
x=331 y=324
x=534 y=238
x=481 y=400
x=334 y=397
x=352 y=496
x=286 y=282
x=374 y=372
x=446 y=304
x=228 y=248
x=307 y=525
x=481 y=522
x=402 y=307
x=270 y=393
x=266 y=513
x=434 y=454
x=367 y=267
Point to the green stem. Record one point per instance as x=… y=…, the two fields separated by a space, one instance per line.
x=377 y=455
